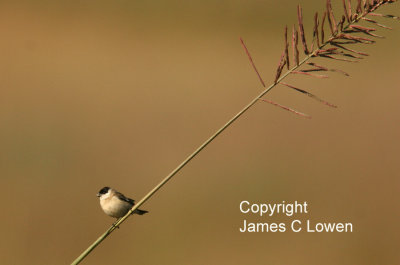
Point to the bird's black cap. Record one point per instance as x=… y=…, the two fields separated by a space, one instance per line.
x=103 y=191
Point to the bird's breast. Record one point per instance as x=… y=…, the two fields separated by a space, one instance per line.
x=114 y=207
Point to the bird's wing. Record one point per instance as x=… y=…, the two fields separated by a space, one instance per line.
x=123 y=198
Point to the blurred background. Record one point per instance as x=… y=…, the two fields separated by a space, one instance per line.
x=118 y=93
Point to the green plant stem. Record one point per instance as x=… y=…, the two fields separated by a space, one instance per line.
x=208 y=141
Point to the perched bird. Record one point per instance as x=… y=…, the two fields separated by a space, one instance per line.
x=115 y=204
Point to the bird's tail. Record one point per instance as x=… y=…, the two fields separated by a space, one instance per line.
x=140 y=212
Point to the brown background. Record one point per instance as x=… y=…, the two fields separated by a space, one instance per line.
x=118 y=93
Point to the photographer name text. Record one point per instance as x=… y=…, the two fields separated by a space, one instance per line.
x=294 y=225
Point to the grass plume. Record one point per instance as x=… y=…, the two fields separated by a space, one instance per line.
x=342 y=33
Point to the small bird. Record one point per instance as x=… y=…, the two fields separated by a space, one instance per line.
x=115 y=204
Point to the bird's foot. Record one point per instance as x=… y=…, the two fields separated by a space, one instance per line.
x=115 y=224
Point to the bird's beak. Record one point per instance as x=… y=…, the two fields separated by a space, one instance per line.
x=98 y=195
